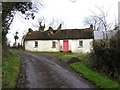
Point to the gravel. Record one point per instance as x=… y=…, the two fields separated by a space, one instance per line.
x=22 y=81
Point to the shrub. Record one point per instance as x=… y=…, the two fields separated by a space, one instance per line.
x=105 y=58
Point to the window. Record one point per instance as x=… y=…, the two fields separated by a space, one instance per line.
x=80 y=43
x=36 y=43
x=54 y=44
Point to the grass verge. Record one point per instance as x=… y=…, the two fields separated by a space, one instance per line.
x=46 y=52
x=10 y=70
x=64 y=57
x=98 y=79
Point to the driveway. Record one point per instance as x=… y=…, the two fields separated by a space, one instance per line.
x=45 y=71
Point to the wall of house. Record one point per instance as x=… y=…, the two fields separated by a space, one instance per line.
x=43 y=45
x=61 y=45
x=47 y=45
x=87 y=45
x=75 y=48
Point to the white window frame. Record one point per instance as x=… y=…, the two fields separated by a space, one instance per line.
x=53 y=44
x=36 y=44
x=80 y=44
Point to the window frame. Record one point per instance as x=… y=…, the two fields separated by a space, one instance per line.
x=80 y=44
x=53 y=44
x=36 y=44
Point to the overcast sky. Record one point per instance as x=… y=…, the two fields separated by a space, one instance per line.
x=71 y=13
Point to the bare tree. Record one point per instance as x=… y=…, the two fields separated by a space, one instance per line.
x=92 y=20
x=99 y=21
x=107 y=51
x=41 y=27
x=56 y=23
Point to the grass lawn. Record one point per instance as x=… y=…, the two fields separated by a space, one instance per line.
x=98 y=79
x=10 y=70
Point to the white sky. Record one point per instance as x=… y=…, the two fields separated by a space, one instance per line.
x=72 y=14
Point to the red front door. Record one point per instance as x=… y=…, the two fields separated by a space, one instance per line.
x=65 y=46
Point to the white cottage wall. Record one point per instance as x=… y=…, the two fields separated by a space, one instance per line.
x=43 y=45
x=57 y=48
x=47 y=45
x=87 y=46
x=70 y=45
x=61 y=45
x=75 y=48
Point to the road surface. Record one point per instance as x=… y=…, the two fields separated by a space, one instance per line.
x=45 y=71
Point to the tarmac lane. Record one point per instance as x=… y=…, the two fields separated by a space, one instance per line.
x=45 y=71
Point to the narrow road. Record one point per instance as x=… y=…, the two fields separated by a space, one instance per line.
x=45 y=71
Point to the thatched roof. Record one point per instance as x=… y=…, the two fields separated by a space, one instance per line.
x=60 y=34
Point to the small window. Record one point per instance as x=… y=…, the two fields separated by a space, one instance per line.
x=54 y=44
x=36 y=43
x=80 y=43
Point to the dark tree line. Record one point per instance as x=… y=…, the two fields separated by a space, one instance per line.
x=9 y=10
x=106 y=52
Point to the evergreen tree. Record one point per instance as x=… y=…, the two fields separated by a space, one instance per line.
x=16 y=37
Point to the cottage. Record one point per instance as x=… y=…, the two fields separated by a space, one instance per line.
x=73 y=40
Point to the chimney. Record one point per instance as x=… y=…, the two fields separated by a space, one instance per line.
x=30 y=30
x=50 y=31
x=91 y=27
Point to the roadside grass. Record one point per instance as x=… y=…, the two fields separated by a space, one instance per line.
x=99 y=79
x=10 y=70
x=45 y=52
x=81 y=56
x=65 y=57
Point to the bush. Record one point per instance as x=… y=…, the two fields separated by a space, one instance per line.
x=105 y=58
